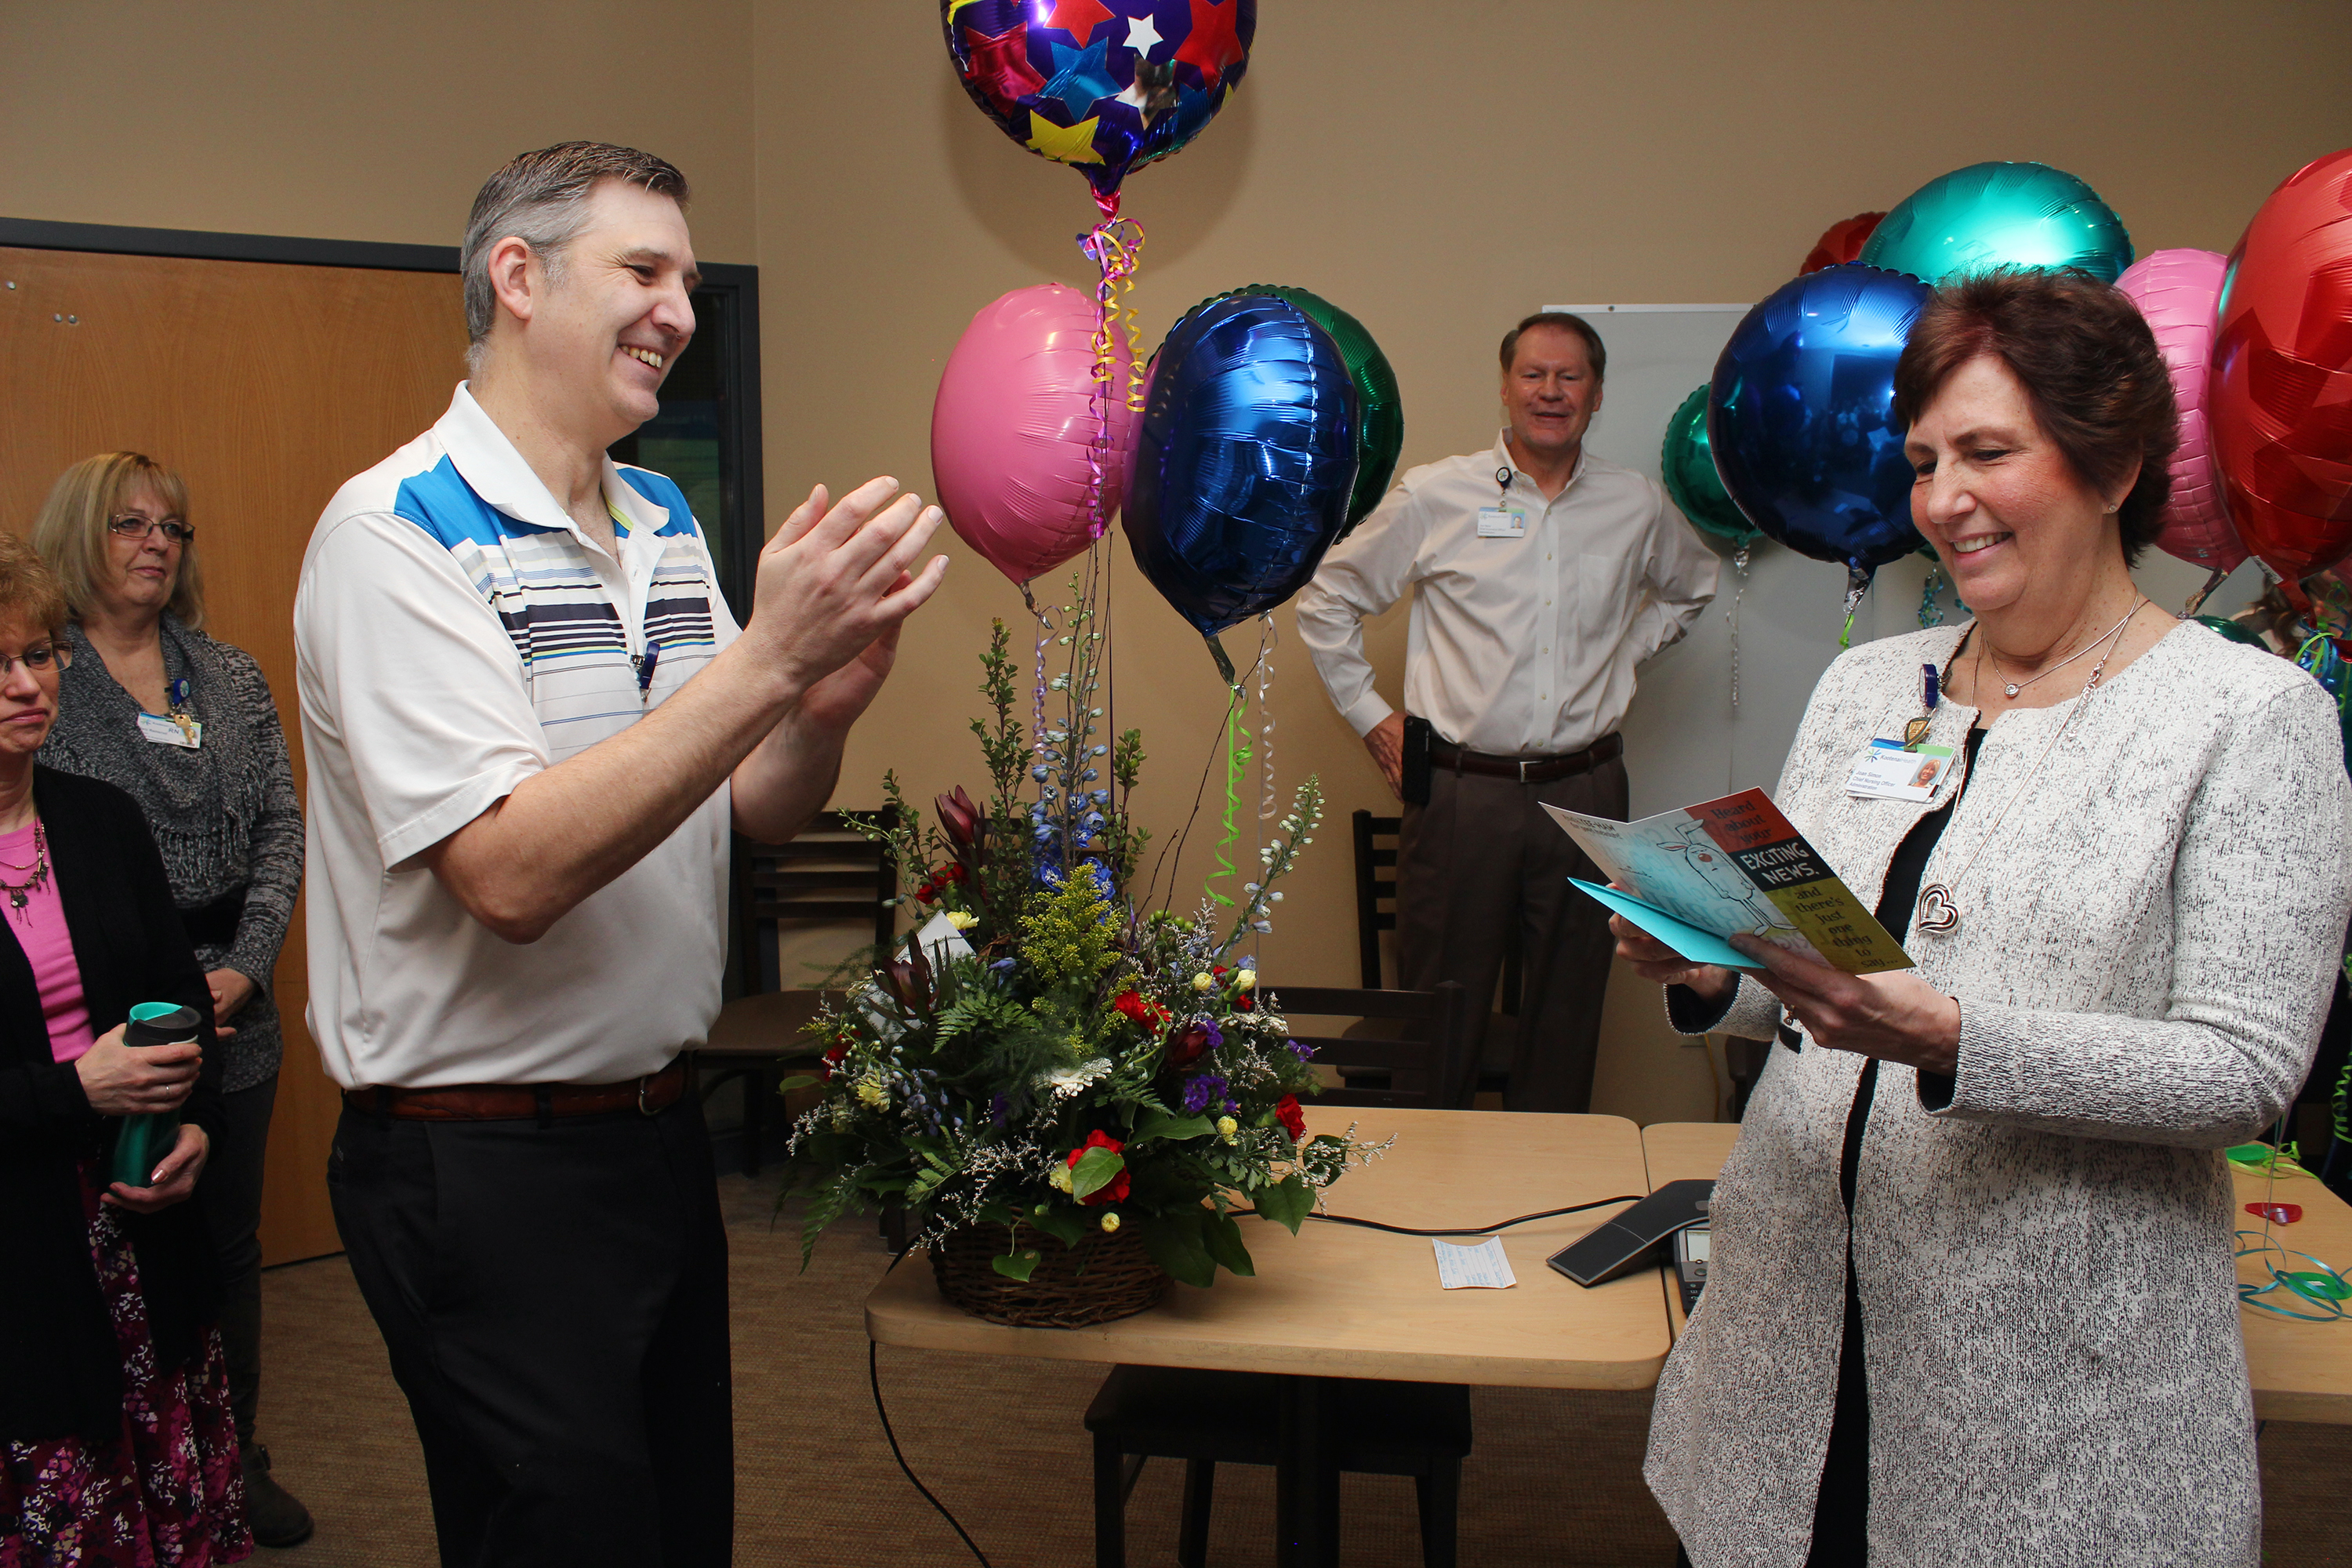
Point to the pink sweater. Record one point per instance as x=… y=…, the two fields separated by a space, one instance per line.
x=40 y=929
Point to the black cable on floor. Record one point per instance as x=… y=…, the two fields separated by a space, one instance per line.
x=1476 y=1230
x=874 y=1377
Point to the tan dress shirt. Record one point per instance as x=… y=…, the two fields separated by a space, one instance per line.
x=1519 y=647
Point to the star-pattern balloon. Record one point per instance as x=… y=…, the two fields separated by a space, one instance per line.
x=1105 y=86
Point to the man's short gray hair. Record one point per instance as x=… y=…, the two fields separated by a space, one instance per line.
x=541 y=199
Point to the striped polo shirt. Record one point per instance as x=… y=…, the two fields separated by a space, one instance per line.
x=456 y=632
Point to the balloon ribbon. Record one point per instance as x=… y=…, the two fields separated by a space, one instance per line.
x=1237 y=760
x=1857 y=583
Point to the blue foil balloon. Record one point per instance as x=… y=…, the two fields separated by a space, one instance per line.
x=1245 y=460
x=1799 y=416
x=2000 y=214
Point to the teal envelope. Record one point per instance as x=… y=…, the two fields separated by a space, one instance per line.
x=1698 y=946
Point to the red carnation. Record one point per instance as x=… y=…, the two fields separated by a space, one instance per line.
x=1241 y=1002
x=1115 y=1190
x=1286 y=1111
x=1143 y=1009
x=833 y=1059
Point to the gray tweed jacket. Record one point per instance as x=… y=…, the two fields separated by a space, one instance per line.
x=225 y=815
x=2042 y=1242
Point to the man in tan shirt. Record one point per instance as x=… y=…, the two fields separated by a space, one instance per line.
x=1541 y=576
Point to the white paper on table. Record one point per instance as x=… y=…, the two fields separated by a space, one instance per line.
x=1479 y=1267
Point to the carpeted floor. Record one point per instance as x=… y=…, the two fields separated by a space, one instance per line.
x=1555 y=1479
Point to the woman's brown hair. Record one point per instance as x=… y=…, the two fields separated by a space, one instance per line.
x=30 y=593
x=2090 y=368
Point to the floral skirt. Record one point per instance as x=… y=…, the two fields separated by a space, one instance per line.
x=164 y=1491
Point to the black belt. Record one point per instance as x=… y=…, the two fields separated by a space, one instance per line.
x=214 y=924
x=1526 y=770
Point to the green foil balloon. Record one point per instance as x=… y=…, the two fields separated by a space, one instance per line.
x=1381 y=436
x=2232 y=630
x=1687 y=464
x=1997 y=215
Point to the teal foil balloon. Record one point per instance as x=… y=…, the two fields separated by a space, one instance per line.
x=1688 y=465
x=2000 y=214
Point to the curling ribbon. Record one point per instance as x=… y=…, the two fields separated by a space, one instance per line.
x=1267 y=637
x=1117 y=248
x=1857 y=583
x=1931 y=614
x=1739 y=560
x=1237 y=757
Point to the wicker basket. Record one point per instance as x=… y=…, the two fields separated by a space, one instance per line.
x=1104 y=1277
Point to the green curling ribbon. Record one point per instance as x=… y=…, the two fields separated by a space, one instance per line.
x=2261 y=1160
x=1379 y=434
x=2319 y=1287
x=1686 y=463
x=1237 y=759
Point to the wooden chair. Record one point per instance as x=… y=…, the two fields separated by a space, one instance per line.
x=1375 y=859
x=1421 y=1060
x=1206 y=1418
x=828 y=875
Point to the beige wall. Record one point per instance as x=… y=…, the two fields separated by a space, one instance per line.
x=1437 y=169
x=340 y=120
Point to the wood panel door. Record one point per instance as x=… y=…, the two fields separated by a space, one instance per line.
x=267 y=385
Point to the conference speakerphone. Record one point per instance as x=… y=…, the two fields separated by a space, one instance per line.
x=1640 y=1237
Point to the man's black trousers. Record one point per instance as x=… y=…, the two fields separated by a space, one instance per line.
x=1482 y=860
x=553 y=1295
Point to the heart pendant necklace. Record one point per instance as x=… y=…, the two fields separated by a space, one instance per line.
x=1937 y=912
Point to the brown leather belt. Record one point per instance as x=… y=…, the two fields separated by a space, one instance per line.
x=1526 y=770
x=522 y=1101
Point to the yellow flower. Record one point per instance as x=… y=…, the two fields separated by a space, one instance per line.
x=1247 y=978
x=1058 y=1178
x=1227 y=1127
x=961 y=921
x=1110 y=1222
x=871 y=1091
x=1202 y=982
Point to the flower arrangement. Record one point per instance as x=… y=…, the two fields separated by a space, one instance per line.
x=1041 y=1055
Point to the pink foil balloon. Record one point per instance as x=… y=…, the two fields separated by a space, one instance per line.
x=1025 y=469
x=2178 y=291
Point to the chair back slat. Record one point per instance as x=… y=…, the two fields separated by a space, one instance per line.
x=1428 y=1062
x=1372 y=856
x=828 y=873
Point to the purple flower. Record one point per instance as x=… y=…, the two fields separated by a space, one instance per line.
x=1301 y=1052
x=1204 y=1091
x=999 y=1109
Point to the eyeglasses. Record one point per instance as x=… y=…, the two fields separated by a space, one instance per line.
x=132 y=526
x=40 y=659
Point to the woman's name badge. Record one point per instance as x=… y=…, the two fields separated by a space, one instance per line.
x=1886 y=772
x=188 y=733
x=1502 y=522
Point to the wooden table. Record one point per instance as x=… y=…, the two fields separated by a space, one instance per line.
x=2301 y=1371
x=1337 y=1301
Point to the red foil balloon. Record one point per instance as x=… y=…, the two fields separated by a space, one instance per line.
x=1841 y=242
x=2178 y=291
x=2281 y=399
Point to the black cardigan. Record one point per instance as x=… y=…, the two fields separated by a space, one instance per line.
x=60 y=1372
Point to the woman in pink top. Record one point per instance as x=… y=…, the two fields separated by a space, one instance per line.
x=117 y=1445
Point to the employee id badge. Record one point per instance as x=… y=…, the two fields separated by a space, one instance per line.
x=1886 y=772
x=1502 y=522
x=165 y=731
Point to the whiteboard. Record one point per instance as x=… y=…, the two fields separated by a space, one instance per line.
x=1685 y=740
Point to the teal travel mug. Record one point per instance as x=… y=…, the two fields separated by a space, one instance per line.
x=147 y=1136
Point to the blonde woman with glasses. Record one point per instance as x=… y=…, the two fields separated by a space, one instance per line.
x=185 y=725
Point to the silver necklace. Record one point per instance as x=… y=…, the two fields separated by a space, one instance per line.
x=1938 y=912
x=2011 y=688
x=21 y=893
